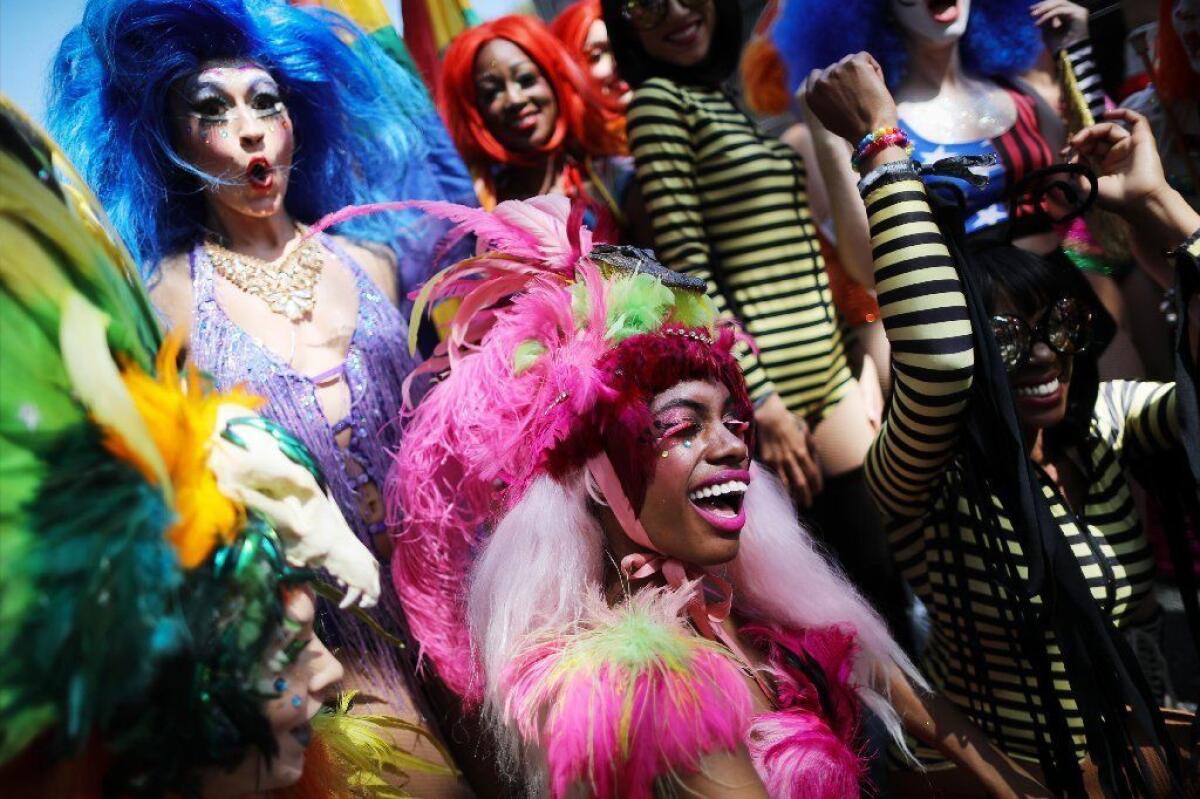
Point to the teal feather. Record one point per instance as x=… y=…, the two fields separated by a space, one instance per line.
x=107 y=585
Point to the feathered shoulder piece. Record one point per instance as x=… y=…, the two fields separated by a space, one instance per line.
x=629 y=696
x=149 y=525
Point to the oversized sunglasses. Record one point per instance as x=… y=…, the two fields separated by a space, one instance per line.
x=647 y=14
x=1066 y=327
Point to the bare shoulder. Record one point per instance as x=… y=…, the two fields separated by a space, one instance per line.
x=171 y=290
x=376 y=260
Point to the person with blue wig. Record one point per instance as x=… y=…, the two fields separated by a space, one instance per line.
x=955 y=67
x=214 y=132
x=960 y=72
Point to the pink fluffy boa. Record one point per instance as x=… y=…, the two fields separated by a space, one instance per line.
x=632 y=695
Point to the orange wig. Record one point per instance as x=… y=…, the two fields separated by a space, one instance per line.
x=572 y=26
x=584 y=126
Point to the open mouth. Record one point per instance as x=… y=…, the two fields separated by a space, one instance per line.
x=944 y=12
x=302 y=734
x=720 y=501
x=527 y=121
x=1045 y=392
x=260 y=175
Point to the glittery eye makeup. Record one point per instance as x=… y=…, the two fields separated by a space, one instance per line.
x=674 y=425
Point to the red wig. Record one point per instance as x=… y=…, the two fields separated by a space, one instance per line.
x=584 y=126
x=572 y=26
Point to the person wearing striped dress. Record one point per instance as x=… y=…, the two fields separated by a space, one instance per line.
x=958 y=550
x=729 y=204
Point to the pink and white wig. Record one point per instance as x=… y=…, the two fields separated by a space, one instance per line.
x=548 y=371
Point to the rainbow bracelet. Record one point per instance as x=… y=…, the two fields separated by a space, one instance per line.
x=878 y=140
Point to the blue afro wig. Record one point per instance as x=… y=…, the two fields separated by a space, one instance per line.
x=1001 y=38
x=364 y=128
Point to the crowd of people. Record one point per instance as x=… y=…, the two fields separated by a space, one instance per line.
x=642 y=410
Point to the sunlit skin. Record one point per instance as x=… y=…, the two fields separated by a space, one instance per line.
x=705 y=442
x=310 y=675
x=935 y=21
x=602 y=66
x=515 y=99
x=230 y=122
x=684 y=36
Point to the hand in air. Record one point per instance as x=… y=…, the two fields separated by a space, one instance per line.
x=1063 y=23
x=851 y=98
x=1126 y=162
x=821 y=135
x=785 y=445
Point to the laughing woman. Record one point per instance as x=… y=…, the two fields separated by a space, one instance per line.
x=634 y=602
x=214 y=131
x=1001 y=462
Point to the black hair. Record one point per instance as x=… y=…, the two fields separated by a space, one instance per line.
x=636 y=66
x=1031 y=282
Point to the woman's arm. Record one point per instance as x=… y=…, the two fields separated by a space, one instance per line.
x=1131 y=183
x=666 y=169
x=935 y=722
x=378 y=262
x=830 y=177
x=920 y=298
x=1065 y=29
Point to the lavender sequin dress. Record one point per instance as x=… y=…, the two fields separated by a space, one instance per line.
x=375 y=367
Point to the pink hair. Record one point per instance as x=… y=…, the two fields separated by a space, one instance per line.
x=542 y=568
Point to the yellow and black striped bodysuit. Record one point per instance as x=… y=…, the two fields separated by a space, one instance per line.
x=914 y=470
x=728 y=205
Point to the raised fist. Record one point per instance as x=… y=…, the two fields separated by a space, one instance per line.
x=851 y=99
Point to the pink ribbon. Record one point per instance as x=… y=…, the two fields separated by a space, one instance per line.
x=707 y=616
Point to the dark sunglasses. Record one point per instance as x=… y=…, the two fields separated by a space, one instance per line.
x=647 y=14
x=1066 y=327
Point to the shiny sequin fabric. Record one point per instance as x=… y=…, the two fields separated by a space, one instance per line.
x=375 y=367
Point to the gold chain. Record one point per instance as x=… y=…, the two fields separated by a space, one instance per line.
x=286 y=287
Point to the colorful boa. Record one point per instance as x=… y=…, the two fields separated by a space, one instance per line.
x=633 y=695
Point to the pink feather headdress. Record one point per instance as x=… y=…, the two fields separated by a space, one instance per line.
x=553 y=354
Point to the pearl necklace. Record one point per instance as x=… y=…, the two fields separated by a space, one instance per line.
x=286 y=286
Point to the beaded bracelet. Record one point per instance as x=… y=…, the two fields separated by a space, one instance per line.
x=878 y=140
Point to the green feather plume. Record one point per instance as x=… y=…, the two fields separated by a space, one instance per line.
x=636 y=304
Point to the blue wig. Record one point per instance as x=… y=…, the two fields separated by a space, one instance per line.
x=1001 y=38
x=364 y=128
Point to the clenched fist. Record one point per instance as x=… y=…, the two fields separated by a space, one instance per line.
x=851 y=99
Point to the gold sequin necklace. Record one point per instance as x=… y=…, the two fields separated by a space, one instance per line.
x=286 y=285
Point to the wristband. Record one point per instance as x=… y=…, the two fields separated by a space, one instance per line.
x=877 y=141
x=891 y=171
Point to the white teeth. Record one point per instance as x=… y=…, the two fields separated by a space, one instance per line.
x=731 y=487
x=1044 y=390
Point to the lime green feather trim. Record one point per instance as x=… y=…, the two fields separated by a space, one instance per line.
x=637 y=304
x=362 y=748
x=526 y=355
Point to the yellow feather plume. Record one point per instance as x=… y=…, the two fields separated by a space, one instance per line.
x=181 y=417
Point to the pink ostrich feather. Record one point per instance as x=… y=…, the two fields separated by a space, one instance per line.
x=806 y=748
x=472 y=447
x=628 y=697
x=544 y=230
